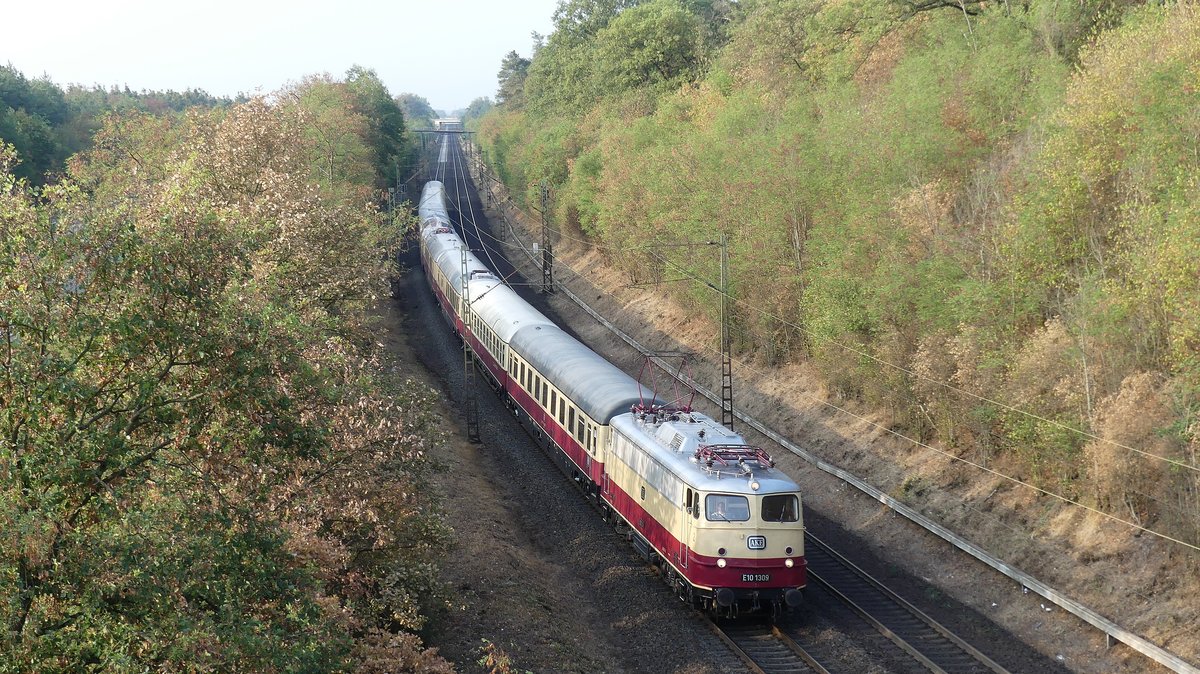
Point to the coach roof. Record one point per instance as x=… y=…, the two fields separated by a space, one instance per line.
x=433 y=203
x=597 y=386
x=502 y=309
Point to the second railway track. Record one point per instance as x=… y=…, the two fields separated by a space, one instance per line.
x=919 y=635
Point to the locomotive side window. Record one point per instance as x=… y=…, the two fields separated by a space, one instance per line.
x=780 y=508
x=726 y=508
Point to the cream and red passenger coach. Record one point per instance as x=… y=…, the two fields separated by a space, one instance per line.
x=723 y=523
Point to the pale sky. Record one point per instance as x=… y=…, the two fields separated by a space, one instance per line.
x=448 y=51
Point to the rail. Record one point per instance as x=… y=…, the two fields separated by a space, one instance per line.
x=766 y=650
x=919 y=635
x=1114 y=631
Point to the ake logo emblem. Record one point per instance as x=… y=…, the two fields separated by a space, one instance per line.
x=756 y=542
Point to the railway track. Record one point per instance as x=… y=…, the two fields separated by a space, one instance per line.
x=922 y=637
x=767 y=650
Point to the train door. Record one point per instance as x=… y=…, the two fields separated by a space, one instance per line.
x=691 y=508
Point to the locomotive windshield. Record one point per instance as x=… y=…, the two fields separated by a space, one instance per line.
x=726 y=508
x=780 y=508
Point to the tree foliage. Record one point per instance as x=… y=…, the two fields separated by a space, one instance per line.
x=656 y=43
x=1000 y=200
x=385 y=123
x=476 y=110
x=417 y=111
x=46 y=124
x=511 y=78
x=206 y=465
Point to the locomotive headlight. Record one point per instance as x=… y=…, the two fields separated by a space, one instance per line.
x=789 y=563
x=754 y=485
x=721 y=563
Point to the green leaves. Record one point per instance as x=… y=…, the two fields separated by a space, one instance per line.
x=198 y=446
x=991 y=200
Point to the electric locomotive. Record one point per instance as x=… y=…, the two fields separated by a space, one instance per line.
x=722 y=521
x=713 y=512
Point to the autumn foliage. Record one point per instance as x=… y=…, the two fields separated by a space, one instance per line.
x=982 y=225
x=206 y=464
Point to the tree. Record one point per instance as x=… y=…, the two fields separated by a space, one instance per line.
x=513 y=71
x=417 y=111
x=336 y=131
x=477 y=109
x=29 y=111
x=657 y=42
x=385 y=121
x=579 y=20
x=204 y=465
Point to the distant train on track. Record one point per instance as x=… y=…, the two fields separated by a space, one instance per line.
x=723 y=524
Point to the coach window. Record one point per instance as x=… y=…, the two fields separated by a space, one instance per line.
x=726 y=508
x=780 y=508
x=571 y=421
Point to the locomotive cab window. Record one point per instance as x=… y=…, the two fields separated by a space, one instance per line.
x=726 y=508
x=780 y=508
